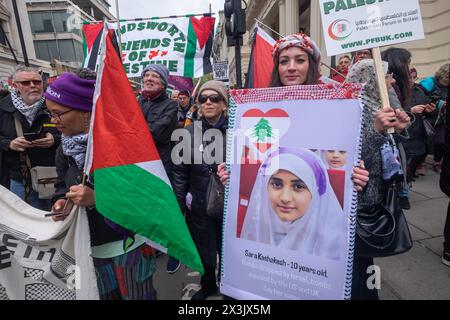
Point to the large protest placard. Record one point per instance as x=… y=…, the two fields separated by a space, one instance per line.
x=290 y=203
x=41 y=259
x=352 y=25
x=183 y=45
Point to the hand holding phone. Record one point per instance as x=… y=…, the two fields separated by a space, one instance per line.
x=31 y=136
x=61 y=209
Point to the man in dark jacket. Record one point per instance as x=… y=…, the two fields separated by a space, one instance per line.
x=25 y=104
x=184 y=105
x=161 y=114
x=445 y=181
x=159 y=111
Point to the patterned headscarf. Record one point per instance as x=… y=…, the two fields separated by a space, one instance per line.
x=29 y=112
x=297 y=40
x=75 y=147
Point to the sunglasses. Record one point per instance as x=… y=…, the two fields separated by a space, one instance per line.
x=215 y=98
x=27 y=83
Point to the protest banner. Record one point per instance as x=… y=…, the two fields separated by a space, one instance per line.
x=182 y=44
x=290 y=203
x=41 y=259
x=354 y=25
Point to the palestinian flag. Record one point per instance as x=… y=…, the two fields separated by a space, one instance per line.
x=131 y=186
x=261 y=61
x=92 y=34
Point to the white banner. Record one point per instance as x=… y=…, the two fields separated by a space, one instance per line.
x=41 y=259
x=183 y=45
x=354 y=25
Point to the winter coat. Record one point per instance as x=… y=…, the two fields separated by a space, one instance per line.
x=10 y=162
x=194 y=178
x=364 y=72
x=161 y=116
x=435 y=93
x=69 y=175
x=416 y=144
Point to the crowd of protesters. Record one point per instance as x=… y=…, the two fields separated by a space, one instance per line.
x=414 y=106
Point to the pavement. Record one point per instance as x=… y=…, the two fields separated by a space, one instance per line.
x=415 y=275
x=419 y=273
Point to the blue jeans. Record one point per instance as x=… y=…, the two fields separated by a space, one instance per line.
x=18 y=189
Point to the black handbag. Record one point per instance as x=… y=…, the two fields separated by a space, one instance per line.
x=382 y=230
x=215 y=195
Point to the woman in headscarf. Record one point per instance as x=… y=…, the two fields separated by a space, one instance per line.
x=124 y=271
x=375 y=123
x=293 y=206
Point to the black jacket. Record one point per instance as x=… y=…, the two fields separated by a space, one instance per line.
x=161 y=116
x=10 y=161
x=69 y=175
x=194 y=178
x=416 y=144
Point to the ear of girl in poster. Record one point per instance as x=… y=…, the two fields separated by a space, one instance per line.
x=288 y=230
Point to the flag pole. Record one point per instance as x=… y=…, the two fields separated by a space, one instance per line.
x=156 y=18
x=265 y=25
x=118 y=27
x=376 y=53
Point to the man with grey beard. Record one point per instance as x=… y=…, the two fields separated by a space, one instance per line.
x=25 y=106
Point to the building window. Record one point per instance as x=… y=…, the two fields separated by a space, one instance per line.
x=2 y=34
x=46 y=50
x=63 y=50
x=49 y=22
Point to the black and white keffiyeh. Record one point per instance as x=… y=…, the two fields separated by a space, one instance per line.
x=75 y=147
x=28 y=111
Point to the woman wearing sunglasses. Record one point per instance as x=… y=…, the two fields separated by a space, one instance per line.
x=192 y=174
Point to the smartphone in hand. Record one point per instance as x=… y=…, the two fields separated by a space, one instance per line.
x=31 y=136
x=65 y=210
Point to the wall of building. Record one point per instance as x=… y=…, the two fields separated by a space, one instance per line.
x=434 y=51
x=7 y=63
x=289 y=16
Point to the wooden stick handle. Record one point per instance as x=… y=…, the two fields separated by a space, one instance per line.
x=381 y=79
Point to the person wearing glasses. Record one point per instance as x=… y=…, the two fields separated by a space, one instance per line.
x=124 y=271
x=26 y=104
x=161 y=114
x=191 y=174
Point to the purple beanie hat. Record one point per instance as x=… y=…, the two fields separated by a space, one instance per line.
x=72 y=91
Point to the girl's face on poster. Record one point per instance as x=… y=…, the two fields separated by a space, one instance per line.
x=293 y=66
x=289 y=196
x=336 y=159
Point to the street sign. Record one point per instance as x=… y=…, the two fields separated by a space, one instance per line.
x=221 y=71
x=352 y=25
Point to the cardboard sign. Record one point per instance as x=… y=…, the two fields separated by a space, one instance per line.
x=221 y=71
x=352 y=25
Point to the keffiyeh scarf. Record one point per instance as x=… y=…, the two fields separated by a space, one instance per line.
x=297 y=40
x=75 y=147
x=28 y=111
